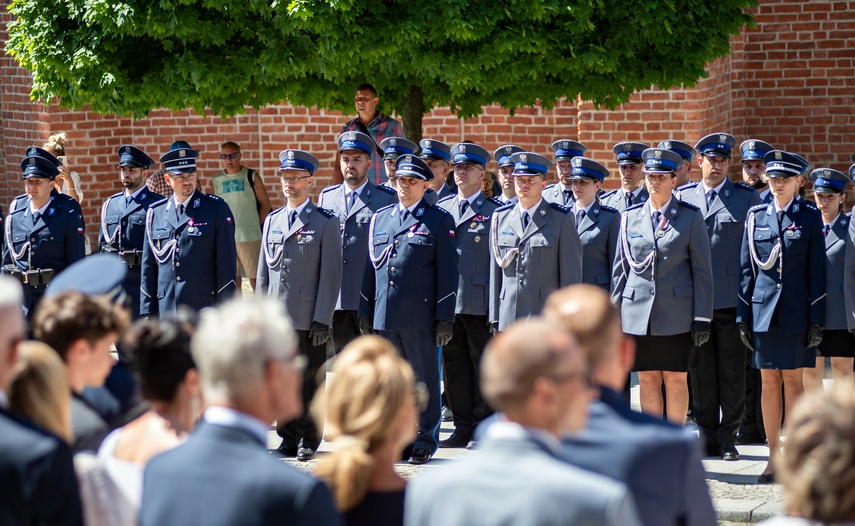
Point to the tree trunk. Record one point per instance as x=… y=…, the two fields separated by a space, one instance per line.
x=414 y=110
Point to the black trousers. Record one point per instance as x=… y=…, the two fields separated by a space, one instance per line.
x=461 y=358
x=752 y=417
x=345 y=328
x=303 y=431
x=718 y=380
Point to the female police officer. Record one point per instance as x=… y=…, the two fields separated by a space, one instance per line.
x=782 y=244
x=663 y=285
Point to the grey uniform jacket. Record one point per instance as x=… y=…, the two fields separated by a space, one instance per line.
x=725 y=222
x=529 y=265
x=472 y=231
x=617 y=198
x=554 y=193
x=598 y=231
x=354 y=234
x=840 y=299
x=302 y=264
x=675 y=286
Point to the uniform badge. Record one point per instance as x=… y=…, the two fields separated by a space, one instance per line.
x=408 y=159
x=661 y=233
x=410 y=234
x=32 y=151
x=473 y=224
x=32 y=160
x=427 y=143
x=196 y=203
x=826 y=172
x=523 y=157
x=751 y=144
x=627 y=147
x=308 y=209
x=509 y=150
x=477 y=239
x=393 y=141
x=182 y=153
x=643 y=198
x=299 y=237
x=673 y=212
x=722 y=138
x=795 y=207
x=577 y=162
x=290 y=155
x=462 y=148
x=420 y=212
x=666 y=145
x=565 y=144
x=350 y=136
x=543 y=212
x=778 y=155
x=191 y=229
x=127 y=149
x=727 y=193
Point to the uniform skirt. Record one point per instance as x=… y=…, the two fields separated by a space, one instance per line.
x=663 y=353
x=838 y=343
x=782 y=351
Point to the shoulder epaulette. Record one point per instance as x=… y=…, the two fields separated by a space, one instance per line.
x=386 y=189
x=744 y=186
x=506 y=206
x=688 y=205
x=117 y=194
x=325 y=212
x=688 y=185
x=497 y=202
x=65 y=206
x=440 y=209
x=385 y=207
x=608 y=194
x=562 y=208
x=810 y=206
x=609 y=209
x=757 y=208
x=549 y=186
x=16 y=210
x=633 y=207
x=331 y=188
x=159 y=203
x=446 y=198
x=215 y=198
x=277 y=211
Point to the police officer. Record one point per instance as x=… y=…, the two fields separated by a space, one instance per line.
x=506 y=168
x=437 y=155
x=781 y=308
x=663 y=286
x=461 y=357
x=717 y=367
x=596 y=224
x=410 y=286
x=394 y=147
x=189 y=253
x=354 y=202
x=561 y=192
x=44 y=234
x=687 y=152
x=67 y=200
x=123 y=218
x=632 y=189
x=753 y=167
x=301 y=263
x=535 y=247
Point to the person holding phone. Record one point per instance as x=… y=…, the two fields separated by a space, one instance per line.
x=67 y=182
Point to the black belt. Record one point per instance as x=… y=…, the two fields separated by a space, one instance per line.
x=34 y=277
x=133 y=258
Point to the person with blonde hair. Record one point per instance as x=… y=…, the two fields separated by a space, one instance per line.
x=39 y=390
x=371 y=416
x=69 y=182
x=815 y=468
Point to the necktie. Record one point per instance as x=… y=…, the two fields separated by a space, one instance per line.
x=628 y=199
x=780 y=219
x=128 y=199
x=656 y=215
x=36 y=217
x=292 y=216
x=464 y=206
x=351 y=198
x=180 y=211
x=525 y=220
x=580 y=215
x=404 y=215
x=567 y=194
x=710 y=198
x=825 y=229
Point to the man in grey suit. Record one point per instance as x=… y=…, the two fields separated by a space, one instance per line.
x=250 y=370
x=659 y=462
x=717 y=367
x=354 y=202
x=515 y=477
x=632 y=190
x=535 y=247
x=562 y=191
x=301 y=263
x=471 y=211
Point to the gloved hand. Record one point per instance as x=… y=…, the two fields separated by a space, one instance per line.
x=443 y=332
x=746 y=336
x=366 y=326
x=319 y=333
x=494 y=327
x=814 y=335
x=700 y=332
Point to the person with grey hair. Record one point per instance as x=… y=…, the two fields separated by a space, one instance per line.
x=37 y=481
x=250 y=373
x=516 y=476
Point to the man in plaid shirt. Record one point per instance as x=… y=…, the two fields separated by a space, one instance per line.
x=370 y=122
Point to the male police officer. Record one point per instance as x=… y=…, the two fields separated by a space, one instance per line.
x=718 y=366
x=535 y=247
x=301 y=263
x=506 y=168
x=123 y=218
x=632 y=188
x=67 y=200
x=44 y=235
x=753 y=167
x=354 y=201
x=394 y=147
x=471 y=210
x=687 y=152
x=409 y=290
x=189 y=253
x=597 y=224
x=561 y=192
x=437 y=155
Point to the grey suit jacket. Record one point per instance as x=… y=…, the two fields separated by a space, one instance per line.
x=617 y=200
x=302 y=264
x=598 y=231
x=725 y=222
x=516 y=482
x=354 y=234
x=554 y=193
x=548 y=257
x=676 y=287
x=840 y=299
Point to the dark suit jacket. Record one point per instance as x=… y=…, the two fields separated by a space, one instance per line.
x=659 y=462
x=87 y=425
x=37 y=481
x=222 y=476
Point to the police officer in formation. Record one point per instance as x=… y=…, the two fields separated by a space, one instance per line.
x=687 y=153
x=189 y=253
x=43 y=233
x=632 y=189
x=753 y=167
x=394 y=147
x=502 y=155
x=535 y=246
x=123 y=218
x=471 y=211
x=409 y=290
x=837 y=342
x=354 y=202
x=301 y=263
x=437 y=156
x=65 y=199
x=662 y=283
x=562 y=192
x=717 y=367
x=598 y=225
x=782 y=244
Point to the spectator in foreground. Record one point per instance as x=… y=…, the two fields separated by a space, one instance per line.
x=250 y=373
x=516 y=476
x=39 y=390
x=371 y=409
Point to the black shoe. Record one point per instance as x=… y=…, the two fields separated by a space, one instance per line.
x=447 y=415
x=455 y=440
x=407 y=453
x=284 y=450
x=419 y=456
x=768 y=478
x=305 y=453
x=729 y=452
x=744 y=439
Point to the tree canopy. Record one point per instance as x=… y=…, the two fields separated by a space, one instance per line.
x=127 y=57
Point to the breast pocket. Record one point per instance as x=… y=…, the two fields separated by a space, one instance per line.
x=541 y=248
x=161 y=236
x=730 y=227
x=421 y=241
x=306 y=245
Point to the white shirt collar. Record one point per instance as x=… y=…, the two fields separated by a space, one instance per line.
x=299 y=209
x=184 y=202
x=41 y=210
x=664 y=207
x=228 y=417
x=472 y=198
x=358 y=190
x=635 y=193
x=717 y=189
x=401 y=206
x=786 y=207
x=587 y=209
x=137 y=192
x=530 y=211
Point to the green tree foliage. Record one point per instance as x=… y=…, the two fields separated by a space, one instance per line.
x=129 y=57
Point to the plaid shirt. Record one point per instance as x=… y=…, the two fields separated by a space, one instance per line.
x=157 y=183
x=379 y=128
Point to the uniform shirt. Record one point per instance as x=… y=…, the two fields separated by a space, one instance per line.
x=357 y=191
x=379 y=128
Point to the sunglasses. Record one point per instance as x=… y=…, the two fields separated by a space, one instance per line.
x=232 y=155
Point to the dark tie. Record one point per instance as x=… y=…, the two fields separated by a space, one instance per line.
x=580 y=215
x=628 y=199
x=464 y=206
x=567 y=194
x=825 y=229
x=404 y=215
x=710 y=198
x=180 y=211
x=128 y=199
x=351 y=198
x=292 y=216
x=656 y=216
x=36 y=217
x=525 y=220
x=780 y=219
